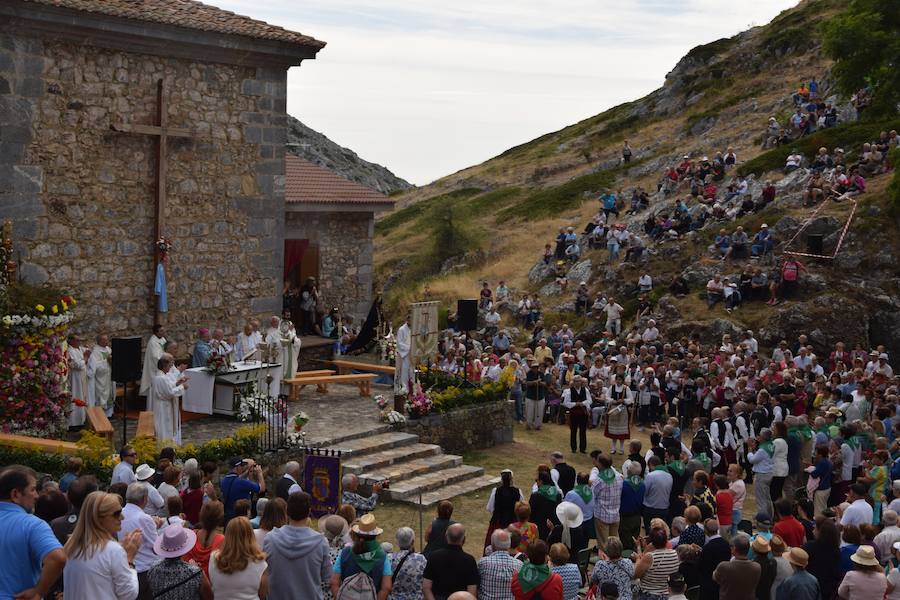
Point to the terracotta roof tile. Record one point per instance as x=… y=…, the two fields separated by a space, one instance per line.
x=308 y=183
x=190 y=14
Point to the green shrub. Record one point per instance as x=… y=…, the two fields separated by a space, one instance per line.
x=554 y=200
x=414 y=211
x=850 y=137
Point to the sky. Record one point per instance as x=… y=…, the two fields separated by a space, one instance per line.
x=427 y=88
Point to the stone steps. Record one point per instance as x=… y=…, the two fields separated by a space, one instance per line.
x=369 y=444
x=431 y=481
x=483 y=483
x=386 y=458
x=412 y=467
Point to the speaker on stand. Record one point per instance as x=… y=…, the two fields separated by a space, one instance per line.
x=126 y=367
x=466 y=320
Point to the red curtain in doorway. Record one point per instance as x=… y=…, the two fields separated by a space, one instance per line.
x=293 y=254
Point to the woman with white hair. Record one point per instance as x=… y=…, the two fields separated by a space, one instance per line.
x=407 y=566
x=337 y=533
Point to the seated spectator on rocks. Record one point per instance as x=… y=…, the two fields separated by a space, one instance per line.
x=485 y=297
x=598 y=306
x=635 y=248
x=548 y=254
x=581 y=298
x=645 y=283
x=573 y=252
x=739 y=241
x=802 y=95
x=562 y=279
x=794 y=161
x=714 y=291
x=679 y=286
x=501 y=295
x=723 y=243
x=815 y=189
x=759 y=285
x=822 y=161
x=491 y=322
x=747 y=205
x=709 y=191
x=731 y=294
x=730 y=158
x=773 y=132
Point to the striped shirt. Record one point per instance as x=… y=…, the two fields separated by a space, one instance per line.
x=656 y=579
x=571 y=578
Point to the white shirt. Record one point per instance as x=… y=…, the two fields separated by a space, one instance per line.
x=567 y=398
x=858 y=513
x=135 y=518
x=123 y=473
x=240 y=585
x=645 y=282
x=104 y=576
x=613 y=311
x=492 y=318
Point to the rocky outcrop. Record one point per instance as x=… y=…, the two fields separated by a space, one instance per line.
x=316 y=147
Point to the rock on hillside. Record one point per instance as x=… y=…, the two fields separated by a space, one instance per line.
x=316 y=147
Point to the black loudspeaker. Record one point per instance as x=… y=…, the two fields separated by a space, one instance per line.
x=466 y=315
x=126 y=359
x=814 y=243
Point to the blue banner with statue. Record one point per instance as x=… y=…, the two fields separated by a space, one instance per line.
x=322 y=481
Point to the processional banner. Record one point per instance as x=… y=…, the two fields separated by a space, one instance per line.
x=424 y=325
x=322 y=480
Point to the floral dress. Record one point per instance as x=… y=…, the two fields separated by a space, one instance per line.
x=529 y=533
x=408 y=582
x=333 y=553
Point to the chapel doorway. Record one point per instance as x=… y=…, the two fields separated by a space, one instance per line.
x=301 y=261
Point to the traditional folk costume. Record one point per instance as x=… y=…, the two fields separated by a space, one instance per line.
x=617 y=421
x=502 y=506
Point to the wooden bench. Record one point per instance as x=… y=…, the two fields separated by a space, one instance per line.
x=44 y=445
x=145 y=425
x=363 y=380
x=345 y=366
x=297 y=380
x=98 y=421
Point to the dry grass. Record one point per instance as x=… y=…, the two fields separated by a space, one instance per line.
x=528 y=449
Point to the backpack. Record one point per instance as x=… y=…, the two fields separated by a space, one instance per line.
x=789 y=272
x=356 y=587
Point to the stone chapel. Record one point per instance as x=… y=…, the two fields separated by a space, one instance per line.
x=125 y=121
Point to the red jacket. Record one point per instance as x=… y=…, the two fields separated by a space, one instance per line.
x=791 y=531
x=552 y=589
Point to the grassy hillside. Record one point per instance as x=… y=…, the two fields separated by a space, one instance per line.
x=498 y=215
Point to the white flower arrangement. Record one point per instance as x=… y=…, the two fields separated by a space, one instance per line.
x=395 y=418
x=38 y=321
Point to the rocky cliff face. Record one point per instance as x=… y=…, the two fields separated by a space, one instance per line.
x=316 y=147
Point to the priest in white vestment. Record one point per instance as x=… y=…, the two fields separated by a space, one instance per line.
x=166 y=394
x=101 y=391
x=290 y=343
x=220 y=345
x=247 y=341
x=403 y=374
x=151 y=357
x=275 y=354
x=78 y=385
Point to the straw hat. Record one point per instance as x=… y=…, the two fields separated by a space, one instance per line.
x=797 y=557
x=366 y=526
x=144 y=472
x=865 y=555
x=174 y=541
x=569 y=514
x=760 y=545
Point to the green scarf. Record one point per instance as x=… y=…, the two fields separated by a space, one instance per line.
x=531 y=576
x=769 y=447
x=584 y=492
x=677 y=467
x=367 y=560
x=804 y=431
x=703 y=459
x=549 y=492
x=607 y=475
x=853 y=442
x=635 y=482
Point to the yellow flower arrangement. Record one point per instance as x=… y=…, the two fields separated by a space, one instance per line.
x=54 y=309
x=40 y=307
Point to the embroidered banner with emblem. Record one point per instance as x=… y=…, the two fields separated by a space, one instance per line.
x=322 y=481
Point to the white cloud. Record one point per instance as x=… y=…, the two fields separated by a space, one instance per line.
x=430 y=87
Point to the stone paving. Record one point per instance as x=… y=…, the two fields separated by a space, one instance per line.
x=337 y=415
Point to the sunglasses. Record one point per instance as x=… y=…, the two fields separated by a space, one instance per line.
x=117 y=514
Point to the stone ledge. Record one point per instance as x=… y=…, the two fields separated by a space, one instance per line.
x=477 y=426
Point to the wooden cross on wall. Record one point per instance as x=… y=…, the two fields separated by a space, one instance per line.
x=162 y=132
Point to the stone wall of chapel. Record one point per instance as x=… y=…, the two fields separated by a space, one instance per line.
x=81 y=196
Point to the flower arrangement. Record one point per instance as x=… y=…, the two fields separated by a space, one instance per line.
x=300 y=420
x=258 y=407
x=218 y=364
x=298 y=436
x=418 y=404
x=387 y=412
x=163 y=246
x=33 y=366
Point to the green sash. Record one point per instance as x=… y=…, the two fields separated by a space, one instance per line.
x=367 y=560
x=607 y=475
x=531 y=576
x=549 y=492
x=584 y=492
